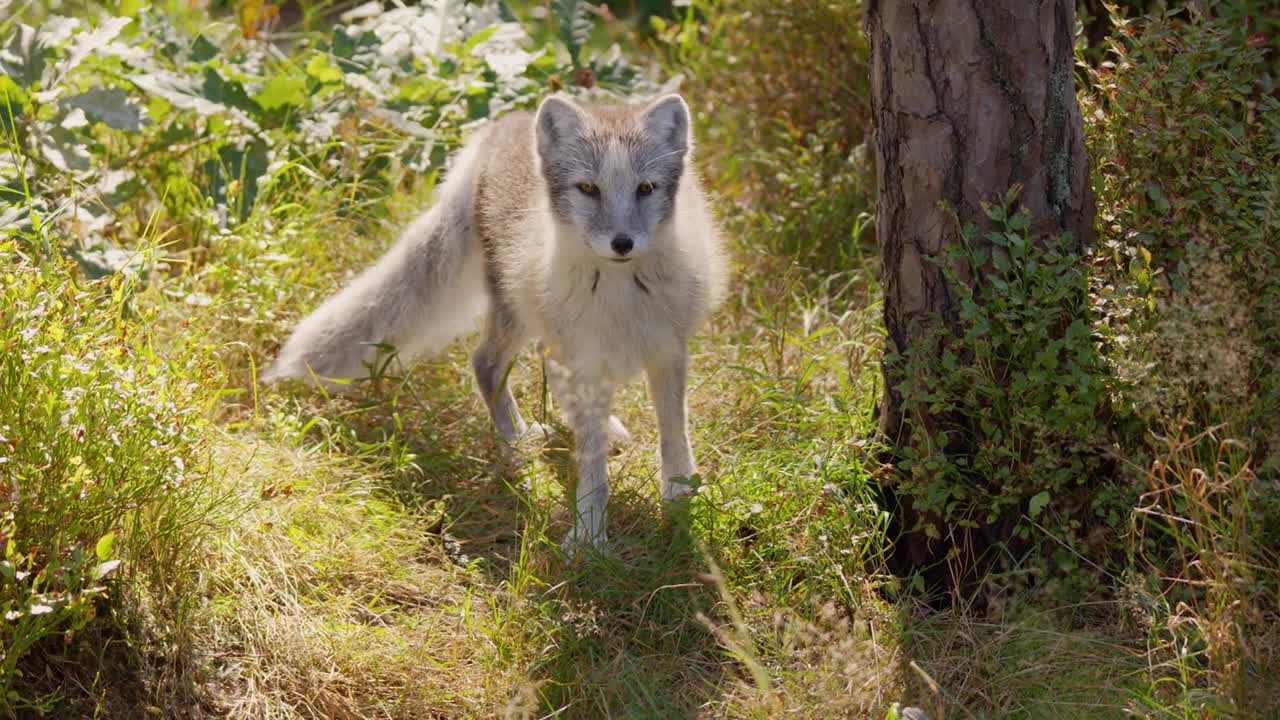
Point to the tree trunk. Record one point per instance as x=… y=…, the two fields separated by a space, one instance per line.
x=969 y=98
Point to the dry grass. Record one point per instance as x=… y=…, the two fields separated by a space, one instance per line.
x=328 y=601
x=808 y=663
x=1213 y=622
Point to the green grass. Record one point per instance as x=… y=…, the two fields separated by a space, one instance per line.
x=373 y=557
x=287 y=554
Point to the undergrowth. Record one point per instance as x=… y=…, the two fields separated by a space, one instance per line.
x=1185 y=127
x=1022 y=391
x=107 y=487
x=787 y=138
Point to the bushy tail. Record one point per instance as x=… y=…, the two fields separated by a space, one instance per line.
x=427 y=290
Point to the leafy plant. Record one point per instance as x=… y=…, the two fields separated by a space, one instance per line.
x=787 y=136
x=101 y=463
x=225 y=123
x=573 y=25
x=143 y=167
x=1185 y=131
x=1022 y=390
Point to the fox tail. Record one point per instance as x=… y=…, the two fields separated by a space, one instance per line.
x=424 y=292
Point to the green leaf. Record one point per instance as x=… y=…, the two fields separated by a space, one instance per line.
x=1001 y=262
x=102 y=261
x=64 y=149
x=103 y=548
x=203 y=50
x=228 y=92
x=235 y=166
x=573 y=25
x=320 y=69
x=23 y=56
x=111 y=106
x=92 y=42
x=1038 y=503
x=177 y=91
x=1157 y=196
x=478 y=38
x=281 y=91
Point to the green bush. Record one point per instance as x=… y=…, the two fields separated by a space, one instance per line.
x=130 y=115
x=1066 y=365
x=1021 y=396
x=100 y=452
x=1185 y=134
x=1184 y=129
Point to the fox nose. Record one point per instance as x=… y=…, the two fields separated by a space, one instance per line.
x=622 y=244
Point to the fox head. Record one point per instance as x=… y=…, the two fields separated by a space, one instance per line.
x=612 y=172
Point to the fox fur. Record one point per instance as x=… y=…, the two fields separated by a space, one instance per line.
x=583 y=228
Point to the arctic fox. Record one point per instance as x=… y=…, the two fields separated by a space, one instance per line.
x=581 y=227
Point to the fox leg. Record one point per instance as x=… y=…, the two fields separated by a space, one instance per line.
x=492 y=363
x=667 y=381
x=558 y=380
x=585 y=405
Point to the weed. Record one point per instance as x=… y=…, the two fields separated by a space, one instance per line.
x=1214 y=589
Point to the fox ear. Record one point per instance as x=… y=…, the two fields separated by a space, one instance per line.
x=667 y=119
x=558 y=118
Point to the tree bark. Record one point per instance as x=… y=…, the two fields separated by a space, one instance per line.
x=969 y=97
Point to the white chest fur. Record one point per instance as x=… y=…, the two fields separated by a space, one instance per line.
x=608 y=323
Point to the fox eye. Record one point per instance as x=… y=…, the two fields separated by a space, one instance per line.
x=645 y=188
x=588 y=188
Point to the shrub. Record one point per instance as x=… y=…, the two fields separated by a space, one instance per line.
x=1184 y=130
x=1022 y=391
x=1186 y=137
x=127 y=115
x=101 y=458
x=1065 y=365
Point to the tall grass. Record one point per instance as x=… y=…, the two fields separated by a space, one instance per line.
x=786 y=114
x=1213 y=589
x=106 y=485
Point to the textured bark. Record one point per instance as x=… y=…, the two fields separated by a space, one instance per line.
x=969 y=97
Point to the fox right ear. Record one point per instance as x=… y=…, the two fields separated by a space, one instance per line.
x=667 y=118
x=558 y=118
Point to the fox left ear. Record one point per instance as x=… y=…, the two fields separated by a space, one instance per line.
x=558 y=119
x=667 y=119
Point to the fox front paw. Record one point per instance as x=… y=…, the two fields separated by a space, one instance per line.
x=678 y=486
x=580 y=540
x=617 y=433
